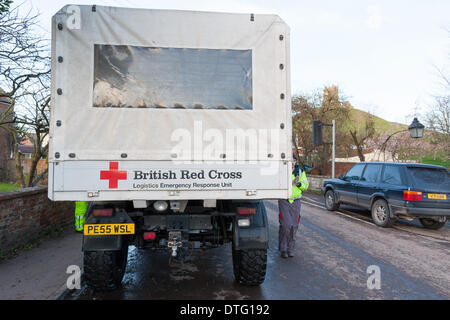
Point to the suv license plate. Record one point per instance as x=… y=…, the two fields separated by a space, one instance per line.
x=108 y=229
x=437 y=196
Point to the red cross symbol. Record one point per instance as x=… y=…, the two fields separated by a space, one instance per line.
x=113 y=175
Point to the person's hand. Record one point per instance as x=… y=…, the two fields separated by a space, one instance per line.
x=299 y=185
x=295 y=181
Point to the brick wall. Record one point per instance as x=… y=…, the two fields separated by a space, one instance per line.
x=28 y=213
x=340 y=168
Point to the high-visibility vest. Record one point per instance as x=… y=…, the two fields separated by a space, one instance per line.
x=296 y=191
x=80 y=212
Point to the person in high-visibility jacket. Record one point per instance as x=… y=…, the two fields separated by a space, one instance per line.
x=80 y=214
x=290 y=213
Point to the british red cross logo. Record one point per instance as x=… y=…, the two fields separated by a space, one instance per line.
x=113 y=175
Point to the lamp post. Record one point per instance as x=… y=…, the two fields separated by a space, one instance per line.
x=415 y=129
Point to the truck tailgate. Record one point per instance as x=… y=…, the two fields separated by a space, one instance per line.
x=154 y=180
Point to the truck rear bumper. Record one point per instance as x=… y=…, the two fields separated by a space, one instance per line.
x=109 y=196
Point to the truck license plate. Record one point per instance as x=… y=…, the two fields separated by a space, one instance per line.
x=437 y=196
x=108 y=229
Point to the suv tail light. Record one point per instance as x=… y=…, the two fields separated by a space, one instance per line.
x=102 y=212
x=412 y=195
x=246 y=211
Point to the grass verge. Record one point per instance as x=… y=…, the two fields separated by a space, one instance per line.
x=5 y=187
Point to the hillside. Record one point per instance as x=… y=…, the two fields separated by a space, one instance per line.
x=381 y=125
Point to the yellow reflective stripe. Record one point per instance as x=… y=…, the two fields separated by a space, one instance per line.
x=79 y=222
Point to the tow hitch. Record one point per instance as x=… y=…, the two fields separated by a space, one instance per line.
x=175 y=242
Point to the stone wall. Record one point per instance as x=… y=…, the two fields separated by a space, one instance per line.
x=315 y=182
x=28 y=213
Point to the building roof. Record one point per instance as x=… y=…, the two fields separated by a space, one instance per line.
x=4 y=100
x=25 y=149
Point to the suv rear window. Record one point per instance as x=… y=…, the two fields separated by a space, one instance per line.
x=430 y=178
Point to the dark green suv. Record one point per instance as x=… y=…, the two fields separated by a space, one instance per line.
x=391 y=190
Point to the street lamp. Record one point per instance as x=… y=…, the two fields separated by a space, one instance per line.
x=416 y=129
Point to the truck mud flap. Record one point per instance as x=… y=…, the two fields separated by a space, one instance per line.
x=102 y=243
x=256 y=236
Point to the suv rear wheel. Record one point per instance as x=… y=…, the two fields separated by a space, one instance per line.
x=432 y=224
x=381 y=215
x=330 y=201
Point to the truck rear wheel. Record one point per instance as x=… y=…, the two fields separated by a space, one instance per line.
x=249 y=266
x=104 y=270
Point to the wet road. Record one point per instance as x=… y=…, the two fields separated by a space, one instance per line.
x=333 y=252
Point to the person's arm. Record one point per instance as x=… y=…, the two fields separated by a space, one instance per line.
x=295 y=181
x=304 y=182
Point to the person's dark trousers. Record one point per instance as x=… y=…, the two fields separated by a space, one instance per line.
x=289 y=221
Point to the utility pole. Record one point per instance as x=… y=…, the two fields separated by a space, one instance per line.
x=334 y=150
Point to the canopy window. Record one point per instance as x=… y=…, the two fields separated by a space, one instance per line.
x=172 y=78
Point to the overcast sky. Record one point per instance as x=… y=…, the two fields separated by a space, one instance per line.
x=381 y=54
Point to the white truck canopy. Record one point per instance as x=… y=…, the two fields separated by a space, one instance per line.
x=166 y=91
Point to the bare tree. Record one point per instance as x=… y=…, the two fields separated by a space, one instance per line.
x=36 y=119
x=4 y=5
x=438 y=119
x=324 y=106
x=361 y=132
x=24 y=56
x=24 y=78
